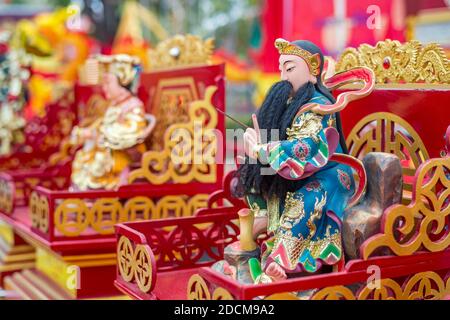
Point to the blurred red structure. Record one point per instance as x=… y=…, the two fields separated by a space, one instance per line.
x=334 y=25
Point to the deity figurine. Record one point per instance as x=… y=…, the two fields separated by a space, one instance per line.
x=110 y=144
x=14 y=74
x=296 y=193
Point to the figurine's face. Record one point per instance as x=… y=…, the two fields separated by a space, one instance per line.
x=111 y=86
x=295 y=70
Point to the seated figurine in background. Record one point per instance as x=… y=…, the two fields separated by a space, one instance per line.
x=111 y=141
x=301 y=202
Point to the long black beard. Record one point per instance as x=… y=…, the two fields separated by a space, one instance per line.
x=276 y=113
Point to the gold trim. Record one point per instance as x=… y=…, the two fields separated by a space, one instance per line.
x=135 y=264
x=312 y=60
x=75 y=216
x=394 y=62
x=197 y=289
x=181 y=51
x=427 y=205
x=180 y=161
x=170 y=106
x=367 y=136
x=426 y=285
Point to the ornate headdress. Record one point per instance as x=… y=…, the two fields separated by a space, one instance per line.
x=125 y=67
x=312 y=60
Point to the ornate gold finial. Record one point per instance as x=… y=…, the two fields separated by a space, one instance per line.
x=181 y=50
x=313 y=60
x=394 y=62
x=125 y=67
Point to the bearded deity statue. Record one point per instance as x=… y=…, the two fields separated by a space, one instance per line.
x=110 y=144
x=295 y=191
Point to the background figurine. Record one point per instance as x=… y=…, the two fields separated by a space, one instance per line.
x=293 y=189
x=14 y=75
x=111 y=141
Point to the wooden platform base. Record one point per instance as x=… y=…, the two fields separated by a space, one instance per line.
x=15 y=254
x=32 y=284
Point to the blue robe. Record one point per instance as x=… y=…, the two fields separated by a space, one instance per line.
x=306 y=229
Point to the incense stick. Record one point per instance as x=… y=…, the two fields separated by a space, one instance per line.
x=235 y=120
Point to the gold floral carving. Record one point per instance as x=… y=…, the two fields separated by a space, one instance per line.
x=189 y=148
x=142 y=268
x=334 y=293
x=39 y=211
x=428 y=206
x=421 y=286
x=395 y=62
x=125 y=258
x=6 y=196
x=181 y=51
x=387 y=132
x=135 y=264
x=170 y=105
x=197 y=289
x=75 y=216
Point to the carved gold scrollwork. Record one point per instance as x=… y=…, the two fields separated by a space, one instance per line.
x=189 y=148
x=394 y=62
x=39 y=210
x=104 y=214
x=181 y=51
x=430 y=205
x=138 y=208
x=72 y=217
x=387 y=290
x=136 y=264
x=75 y=216
x=142 y=268
x=424 y=286
x=125 y=259
x=421 y=286
x=221 y=294
x=334 y=293
x=387 y=132
x=197 y=289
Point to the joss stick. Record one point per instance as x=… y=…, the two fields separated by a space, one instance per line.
x=235 y=120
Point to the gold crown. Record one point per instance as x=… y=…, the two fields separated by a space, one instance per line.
x=181 y=51
x=121 y=65
x=312 y=60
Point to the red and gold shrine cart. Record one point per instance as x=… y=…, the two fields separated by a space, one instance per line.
x=405 y=255
x=43 y=156
x=73 y=232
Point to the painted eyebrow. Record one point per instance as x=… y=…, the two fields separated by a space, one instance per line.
x=286 y=62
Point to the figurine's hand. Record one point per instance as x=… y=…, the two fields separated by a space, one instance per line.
x=259 y=226
x=276 y=272
x=250 y=143
x=252 y=139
